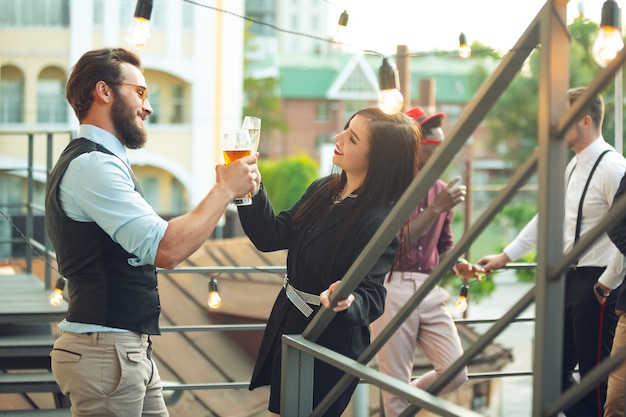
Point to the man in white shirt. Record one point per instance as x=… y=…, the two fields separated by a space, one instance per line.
x=592 y=178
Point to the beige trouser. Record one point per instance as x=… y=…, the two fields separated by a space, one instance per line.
x=108 y=374
x=430 y=326
x=614 y=405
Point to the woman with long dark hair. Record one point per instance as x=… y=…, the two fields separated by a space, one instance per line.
x=324 y=232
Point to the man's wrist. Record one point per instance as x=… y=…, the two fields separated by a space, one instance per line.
x=602 y=293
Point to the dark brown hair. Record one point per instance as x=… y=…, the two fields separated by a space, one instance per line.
x=96 y=65
x=393 y=159
x=594 y=108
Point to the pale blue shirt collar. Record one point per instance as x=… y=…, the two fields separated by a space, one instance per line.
x=104 y=138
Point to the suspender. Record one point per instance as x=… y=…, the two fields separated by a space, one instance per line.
x=582 y=197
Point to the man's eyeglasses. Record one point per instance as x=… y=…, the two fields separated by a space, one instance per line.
x=141 y=91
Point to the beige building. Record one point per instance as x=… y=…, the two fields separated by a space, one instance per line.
x=194 y=70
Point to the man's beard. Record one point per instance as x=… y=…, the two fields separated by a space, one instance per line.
x=124 y=116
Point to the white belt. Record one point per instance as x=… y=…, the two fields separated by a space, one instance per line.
x=300 y=299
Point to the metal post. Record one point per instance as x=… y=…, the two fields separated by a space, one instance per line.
x=296 y=397
x=47 y=243
x=553 y=79
x=30 y=193
x=403 y=64
x=361 y=400
x=619 y=110
x=619 y=101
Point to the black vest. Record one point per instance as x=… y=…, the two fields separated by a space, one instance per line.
x=103 y=288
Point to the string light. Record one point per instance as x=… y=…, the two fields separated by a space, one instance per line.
x=609 y=40
x=139 y=31
x=214 y=296
x=56 y=298
x=461 y=302
x=451 y=53
x=464 y=49
x=390 y=99
x=341 y=34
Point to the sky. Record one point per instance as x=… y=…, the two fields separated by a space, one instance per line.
x=381 y=25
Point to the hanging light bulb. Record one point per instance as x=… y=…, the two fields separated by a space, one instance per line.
x=341 y=34
x=609 y=40
x=390 y=99
x=461 y=302
x=214 y=297
x=139 y=31
x=464 y=49
x=56 y=298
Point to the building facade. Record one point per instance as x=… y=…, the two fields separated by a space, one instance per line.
x=193 y=63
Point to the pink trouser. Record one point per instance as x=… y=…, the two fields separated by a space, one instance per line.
x=430 y=325
x=108 y=374
x=614 y=405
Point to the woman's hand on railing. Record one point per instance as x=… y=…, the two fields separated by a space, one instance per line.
x=341 y=304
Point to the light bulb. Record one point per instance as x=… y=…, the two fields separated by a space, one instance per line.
x=608 y=43
x=341 y=34
x=214 y=296
x=56 y=298
x=461 y=302
x=464 y=49
x=139 y=31
x=609 y=40
x=390 y=99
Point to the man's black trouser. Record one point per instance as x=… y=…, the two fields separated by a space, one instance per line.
x=588 y=331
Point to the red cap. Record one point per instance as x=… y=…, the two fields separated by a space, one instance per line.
x=421 y=117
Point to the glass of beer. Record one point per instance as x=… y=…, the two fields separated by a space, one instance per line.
x=237 y=144
x=253 y=126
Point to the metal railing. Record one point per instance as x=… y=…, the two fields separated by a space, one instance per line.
x=43 y=248
x=549 y=31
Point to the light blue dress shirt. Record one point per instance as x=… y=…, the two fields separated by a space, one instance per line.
x=98 y=187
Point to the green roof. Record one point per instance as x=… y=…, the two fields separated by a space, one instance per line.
x=308 y=76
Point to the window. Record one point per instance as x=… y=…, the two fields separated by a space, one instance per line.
x=34 y=13
x=51 y=104
x=188 y=12
x=11 y=95
x=322 y=139
x=480 y=398
x=351 y=107
x=178 y=104
x=98 y=13
x=153 y=98
x=322 y=112
x=356 y=82
x=150 y=189
x=315 y=23
x=178 y=205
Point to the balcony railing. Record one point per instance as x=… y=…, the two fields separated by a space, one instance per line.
x=548 y=31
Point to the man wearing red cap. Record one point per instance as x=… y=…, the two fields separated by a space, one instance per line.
x=425 y=238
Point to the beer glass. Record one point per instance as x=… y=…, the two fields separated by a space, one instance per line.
x=237 y=144
x=253 y=126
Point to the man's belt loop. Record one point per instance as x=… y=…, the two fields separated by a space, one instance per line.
x=300 y=299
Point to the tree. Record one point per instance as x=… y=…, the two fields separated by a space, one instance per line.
x=286 y=180
x=261 y=97
x=513 y=120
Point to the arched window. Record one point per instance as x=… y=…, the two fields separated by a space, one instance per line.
x=11 y=95
x=51 y=104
